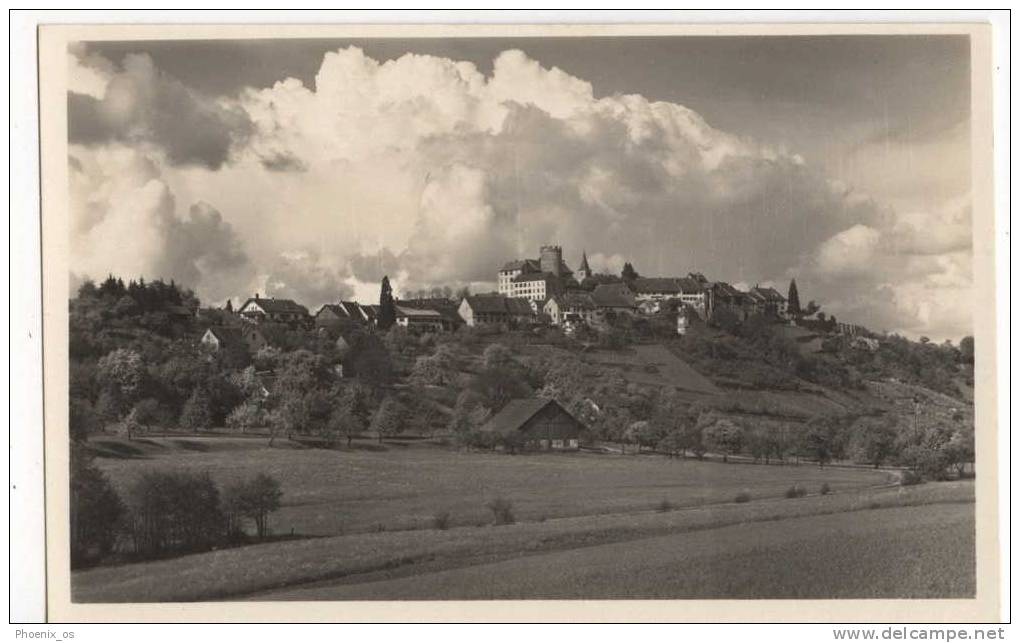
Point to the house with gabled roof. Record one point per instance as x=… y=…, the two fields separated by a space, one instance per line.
x=536 y=423
x=423 y=319
x=771 y=300
x=331 y=315
x=270 y=309
x=615 y=298
x=476 y=310
x=572 y=307
x=220 y=338
x=722 y=295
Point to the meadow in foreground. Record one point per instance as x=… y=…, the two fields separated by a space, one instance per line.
x=396 y=487
x=284 y=566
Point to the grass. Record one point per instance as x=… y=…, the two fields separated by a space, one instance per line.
x=909 y=552
x=332 y=492
x=249 y=570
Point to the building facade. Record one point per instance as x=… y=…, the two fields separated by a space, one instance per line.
x=269 y=309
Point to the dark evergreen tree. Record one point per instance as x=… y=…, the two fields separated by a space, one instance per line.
x=387 y=309
x=229 y=307
x=793 y=299
x=628 y=273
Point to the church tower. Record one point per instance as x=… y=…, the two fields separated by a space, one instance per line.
x=583 y=272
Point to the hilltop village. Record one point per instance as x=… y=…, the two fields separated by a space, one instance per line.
x=545 y=291
x=556 y=360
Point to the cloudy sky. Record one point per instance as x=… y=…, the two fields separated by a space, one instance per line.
x=310 y=168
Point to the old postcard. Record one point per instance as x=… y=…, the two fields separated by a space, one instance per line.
x=519 y=322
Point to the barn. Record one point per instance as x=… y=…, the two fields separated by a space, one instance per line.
x=538 y=424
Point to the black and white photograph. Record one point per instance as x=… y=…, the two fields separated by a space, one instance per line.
x=562 y=317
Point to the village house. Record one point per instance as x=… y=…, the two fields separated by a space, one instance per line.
x=421 y=319
x=537 y=424
x=283 y=311
x=521 y=311
x=572 y=307
x=655 y=288
x=476 y=310
x=770 y=301
x=722 y=295
x=692 y=292
x=224 y=337
x=220 y=338
x=614 y=298
x=497 y=309
x=329 y=315
x=447 y=309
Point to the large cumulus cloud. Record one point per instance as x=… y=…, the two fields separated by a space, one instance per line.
x=125 y=221
x=426 y=169
x=139 y=104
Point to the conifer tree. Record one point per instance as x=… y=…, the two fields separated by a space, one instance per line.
x=387 y=309
x=793 y=299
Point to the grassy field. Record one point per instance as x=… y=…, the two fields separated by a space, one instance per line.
x=328 y=567
x=330 y=492
x=910 y=552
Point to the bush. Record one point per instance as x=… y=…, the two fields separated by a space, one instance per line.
x=664 y=506
x=175 y=511
x=502 y=511
x=825 y=489
x=95 y=510
x=254 y=498
x=743 y=496
x=910 y=478
x=441 y=520
x=796 y=491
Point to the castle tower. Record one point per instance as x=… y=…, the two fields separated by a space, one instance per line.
x=583 y=272
x=551 y=260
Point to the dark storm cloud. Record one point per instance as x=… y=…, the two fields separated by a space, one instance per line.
x=144 y=104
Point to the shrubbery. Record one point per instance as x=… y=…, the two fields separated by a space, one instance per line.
x=502 y=511
x=795 y=491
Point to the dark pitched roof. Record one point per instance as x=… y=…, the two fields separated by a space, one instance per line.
x=336 y=309
x=447 y=308
x=524 y=265
x=277 y=306
x=613 y=296
x=769 y=294
x=368 y=311
x=407 y=311
x=655 y=285
x=516 y=306
x=690 y=285
x=723 y=289
x=490 y=304
x=575 y=299
x=547 y=277
x=515 y=414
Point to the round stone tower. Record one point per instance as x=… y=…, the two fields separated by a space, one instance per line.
x=550 y=259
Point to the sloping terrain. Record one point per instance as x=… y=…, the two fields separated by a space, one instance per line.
x=653 y=365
